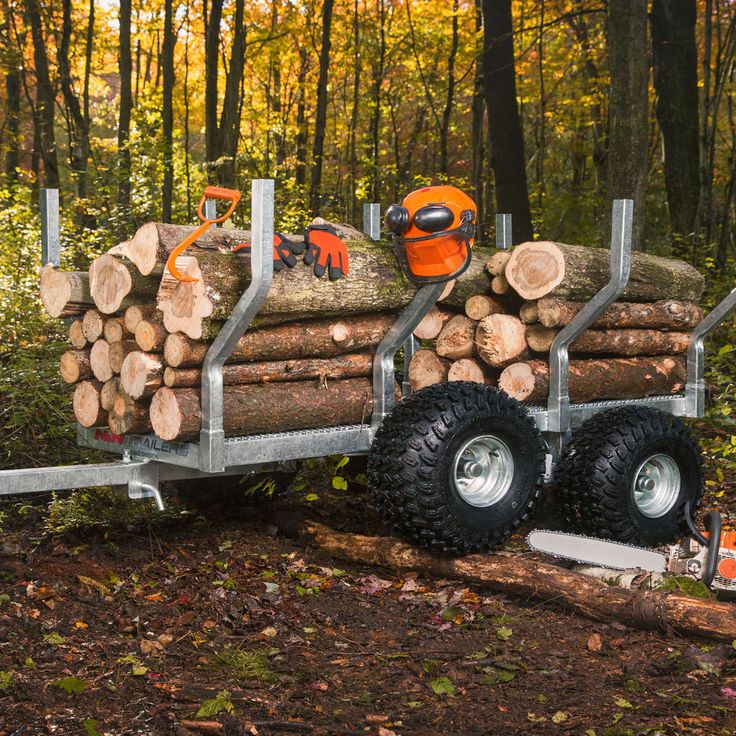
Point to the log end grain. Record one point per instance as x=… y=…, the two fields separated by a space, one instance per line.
x=140 y=374
x=93 y=325
x=86 y=404
x=535 y=269
x=99 y=358
x=500 y=339
x=76 y=335
x=184 y=304
x=55 y=290
x=456 y=340
x=74 y=365
x=109 y=283
x=150 y=336
x=427 y=368
x=175 y=413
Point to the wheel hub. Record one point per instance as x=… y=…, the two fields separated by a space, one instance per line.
x=483 y=470
x=656 y=485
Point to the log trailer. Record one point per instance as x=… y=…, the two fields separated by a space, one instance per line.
x=456 y=466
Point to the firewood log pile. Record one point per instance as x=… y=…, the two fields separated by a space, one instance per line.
x=138 y=337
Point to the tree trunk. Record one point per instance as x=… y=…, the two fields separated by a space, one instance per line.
x=668 y=314
x=64 y=293
x=212 y=22
x=86 y=404
x=598 y=380
x=125 y=68
x=500 y=340
x=506 y=136
x=352 y=365
x=675 y=58
x=12 y=98
x=575 y=272
x=529 y=578
x=268 y=407
x=141 y=374
x=628 y=113
x=457 y=338
x=74 y=366
x=427 y=368
x=477 y=136
x=167 y=111
x=114 y=282
x=613 y=342
x=320 y=122
x=294 y=340
x=449 y=96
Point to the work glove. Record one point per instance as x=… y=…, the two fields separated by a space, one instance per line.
x=285 y=251
x=326 y=251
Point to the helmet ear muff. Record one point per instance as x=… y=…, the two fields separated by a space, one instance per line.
x=433 y=218
x=397 y=219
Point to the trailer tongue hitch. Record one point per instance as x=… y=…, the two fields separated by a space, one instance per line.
x=138 y=490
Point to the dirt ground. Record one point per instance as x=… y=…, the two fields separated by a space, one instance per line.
x=134 y=629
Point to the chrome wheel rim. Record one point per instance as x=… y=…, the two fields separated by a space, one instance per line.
x=656 y=485
x=483 y=470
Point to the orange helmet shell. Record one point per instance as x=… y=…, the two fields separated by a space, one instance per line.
x=447 y=252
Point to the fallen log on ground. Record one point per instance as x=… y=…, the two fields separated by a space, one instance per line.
x=577 y=273
x=64 y=293
x=529 y=578
x=599 y=379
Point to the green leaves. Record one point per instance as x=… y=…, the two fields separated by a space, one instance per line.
x=54 y=638
x=71 y=685
x=504 y=633
x=443 y=686
x=221 y=703
x=6 y=679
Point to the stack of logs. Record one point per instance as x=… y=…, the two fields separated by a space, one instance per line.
x=139 y=337
x=635 y=349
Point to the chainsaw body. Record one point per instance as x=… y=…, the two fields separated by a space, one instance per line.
x=690 y=557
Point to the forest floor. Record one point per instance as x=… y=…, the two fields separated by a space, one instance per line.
x=132 y=629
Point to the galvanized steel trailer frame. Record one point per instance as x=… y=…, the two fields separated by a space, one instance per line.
x=147 y=461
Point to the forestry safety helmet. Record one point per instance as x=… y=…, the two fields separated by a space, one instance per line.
x=433 y=230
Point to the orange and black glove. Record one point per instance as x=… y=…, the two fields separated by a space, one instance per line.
x=285 y=251
x=326 y=251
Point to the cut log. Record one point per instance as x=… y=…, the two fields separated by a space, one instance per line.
x=141 y=374
x=115 y=283
x=668 y=314
x=316 y=339
x=526 y=577
x=76 y=335
x=119 y=351
x=470 y=369
x=268 y=407
x=375 y=284
x=86 y=404
x=613 y=342
x=115 y=330
x=64 y=293
x=500 y=340
x=128 y=416
x=135 y=313
x=93 y=325
x=529 y=313
x=109 y=393
x=577 y=273
x=500 y=285
x=432 y=323
x=480 y=305
x=457 y=339
x=427 y=368
x=496 y=264
x=352 y=365
x=150 y=336
x=74 y=366
x=99 y=358
x=598 y=379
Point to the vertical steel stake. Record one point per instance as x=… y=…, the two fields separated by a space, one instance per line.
x=372 y=220
x=503 y=231
x=50 y=229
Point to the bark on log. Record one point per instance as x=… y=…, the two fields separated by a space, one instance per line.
x=115 y=283
x=526 y=578
x=598 y=380
x=109 y=393
x=258 y=408
x=76 y=335
x=99 y=358
x=115 y=330
x=668 y=314
x=529 y=313
x=613 y=342
x=427 y=368
x=74 y=366
x=500 y=340
x=93 y=325
x=432 y=323
x=141 y=374
x=119 y=351
x=150 y=336
x=480 y=305
x=128 y=416
x=64 y=293
x=375 y=284
x=574 y=272
x=317 y=339
x=496 y=264
x=135 y=313
x=470 y=369
x=457 y=339
x=353 y=365
x=86 y=404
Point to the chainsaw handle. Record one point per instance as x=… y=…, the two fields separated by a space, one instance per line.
x=713 y=525
x=228 y=195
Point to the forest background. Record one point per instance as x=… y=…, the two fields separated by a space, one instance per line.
x=546 y=109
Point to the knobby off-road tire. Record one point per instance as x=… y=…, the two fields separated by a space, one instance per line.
x=627 y=473
x=457 y=467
